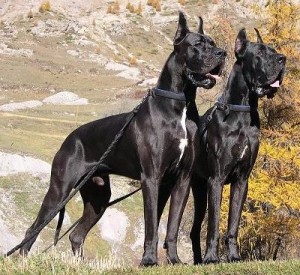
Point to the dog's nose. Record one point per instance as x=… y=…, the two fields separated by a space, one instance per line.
x=281 y=58
x=220 y=53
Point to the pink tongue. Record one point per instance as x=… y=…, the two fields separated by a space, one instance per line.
x=214 y=76
x=275 y=84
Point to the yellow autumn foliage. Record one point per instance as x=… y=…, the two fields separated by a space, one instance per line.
x=270 y=223
x=282 y=32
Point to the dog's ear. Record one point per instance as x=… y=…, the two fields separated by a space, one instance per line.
x=240 y=43
x=200 y=28
x=182 y=29
x=259 y=39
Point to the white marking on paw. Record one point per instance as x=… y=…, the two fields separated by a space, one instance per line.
x=183 y=141
x=244 y=151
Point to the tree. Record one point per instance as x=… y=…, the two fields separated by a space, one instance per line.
x=271 y=227
x=282 y=32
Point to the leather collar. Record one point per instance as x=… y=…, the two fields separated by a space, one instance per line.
x=232 y=107
x=167 y=94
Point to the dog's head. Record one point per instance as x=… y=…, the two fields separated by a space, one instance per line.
x=263 y=67
x=202 y=60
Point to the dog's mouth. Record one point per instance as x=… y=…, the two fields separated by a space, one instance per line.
x=206 y=80
x=271 y=87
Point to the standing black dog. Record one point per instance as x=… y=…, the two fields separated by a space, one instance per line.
x=159 y=148
x=230 y=143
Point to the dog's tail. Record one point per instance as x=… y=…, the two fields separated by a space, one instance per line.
x=59 y=224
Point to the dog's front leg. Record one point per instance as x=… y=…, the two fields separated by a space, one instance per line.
x=215 y=187
x=178 y=201
x=238 y=193
x=150 y=196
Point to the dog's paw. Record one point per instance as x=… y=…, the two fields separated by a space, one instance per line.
x=198 y=261
x=174 y=260
x=233 y=258
x=148 y=262
x=233 y=252
x=211 y=258
x=24 y=251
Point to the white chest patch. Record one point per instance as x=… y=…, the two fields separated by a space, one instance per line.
x=244 y=151
x=183 y=141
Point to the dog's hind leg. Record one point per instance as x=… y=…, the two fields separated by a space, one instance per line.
x=199 y=189
x=238 y=193
x=57 y=192
x=65 y=173
x=95 y=194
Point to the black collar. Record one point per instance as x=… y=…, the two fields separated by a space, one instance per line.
x=167 y=94
x=223 y=107
x=232 y=107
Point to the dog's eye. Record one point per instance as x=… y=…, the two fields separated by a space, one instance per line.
x=259 y=53
x=196 y=49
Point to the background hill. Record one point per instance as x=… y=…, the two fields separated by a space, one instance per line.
x=63 y=64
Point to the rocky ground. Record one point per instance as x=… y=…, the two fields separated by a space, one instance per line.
x=69 y=65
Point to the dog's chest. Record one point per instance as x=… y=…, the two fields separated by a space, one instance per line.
x=246 y=147
x=245 y=143
x=183 y=139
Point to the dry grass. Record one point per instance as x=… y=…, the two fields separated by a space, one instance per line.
x=58 y=263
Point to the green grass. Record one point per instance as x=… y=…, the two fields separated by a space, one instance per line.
x=40 y=132
x=26 y=204
x=64 y=263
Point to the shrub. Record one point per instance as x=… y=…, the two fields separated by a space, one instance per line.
x=132 y=60
x=155 y=4
x=45 y=6
x=139 y=9
x=114 y=8
x=30 y=14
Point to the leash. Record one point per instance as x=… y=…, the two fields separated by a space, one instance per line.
x=85 y=179
x=225 y=107
x=75 y=223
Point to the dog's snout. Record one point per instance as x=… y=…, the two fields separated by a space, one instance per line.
x=281 y=58
x=220 y=53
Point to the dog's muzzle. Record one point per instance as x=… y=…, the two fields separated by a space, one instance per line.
x=207 y=80
x=270 y=88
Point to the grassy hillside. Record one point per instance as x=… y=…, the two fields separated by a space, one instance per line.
x=64 y=264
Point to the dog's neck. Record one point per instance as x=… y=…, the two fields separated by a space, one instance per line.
x=173 y=79
x=238 y=90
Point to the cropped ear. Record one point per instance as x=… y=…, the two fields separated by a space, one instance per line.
x=182 y=29
x=200 y=28
x=259 y=39
x=240 y=43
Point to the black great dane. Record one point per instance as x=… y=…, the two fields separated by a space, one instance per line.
x=230 y=142
x=159 y=148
